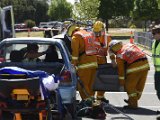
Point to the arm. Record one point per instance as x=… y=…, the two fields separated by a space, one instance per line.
x=35 y=55
x=75 y=49
x=112 y=57
x=121 y=71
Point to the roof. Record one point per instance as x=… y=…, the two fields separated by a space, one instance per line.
x=31 y=40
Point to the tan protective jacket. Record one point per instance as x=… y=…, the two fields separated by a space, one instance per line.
x=79 y=58
x=105 y=42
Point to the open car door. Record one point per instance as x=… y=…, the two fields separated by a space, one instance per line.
x=7 y=23
x=106 y=79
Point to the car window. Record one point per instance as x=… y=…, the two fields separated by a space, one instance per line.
x=14 y=52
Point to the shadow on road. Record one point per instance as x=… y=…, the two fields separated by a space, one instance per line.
x=139 y=111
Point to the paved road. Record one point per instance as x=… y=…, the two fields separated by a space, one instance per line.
x=148 y=104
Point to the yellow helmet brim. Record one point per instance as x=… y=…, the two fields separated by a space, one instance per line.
x=71 y=29
x=116 y=47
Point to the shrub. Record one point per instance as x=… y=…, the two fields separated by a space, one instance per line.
x=132 y=26
x=30 y=23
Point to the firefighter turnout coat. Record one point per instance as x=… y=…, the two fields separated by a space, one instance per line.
x=104 y=41
x=86 y=64
x=133 y=68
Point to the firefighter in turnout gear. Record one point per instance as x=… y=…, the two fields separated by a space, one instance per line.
x=130 y=62
x=102 y=40
x=156 y=57
x=84 y=59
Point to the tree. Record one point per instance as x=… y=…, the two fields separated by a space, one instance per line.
x=30 y=23
x=41 y=11
x=111 y=9
x=87 y=9
x=28 y=9
x=158 y=3
x=60 y=10
x=146 y=10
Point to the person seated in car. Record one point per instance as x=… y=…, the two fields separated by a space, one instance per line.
x=51 y=54
x=32 y=54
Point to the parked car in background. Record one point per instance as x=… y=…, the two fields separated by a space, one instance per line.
x=57 y=28
x=43 y=25
x=54 y=28
x=51 y=24
x=35 y=28
x=58 y=25
x=19 y=27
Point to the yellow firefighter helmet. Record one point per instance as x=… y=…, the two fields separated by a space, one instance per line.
x=115 y=45
x=71 y=29
x=98 y=26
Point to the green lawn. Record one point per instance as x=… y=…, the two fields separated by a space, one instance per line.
x=32 y=34
x=112 y=32
x=123 y=31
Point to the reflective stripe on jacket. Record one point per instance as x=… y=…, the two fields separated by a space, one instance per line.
x=88 y=65
x=134 y=94
x=156 y=56
x=130 y=53
x=138 y=68
x=74 y=58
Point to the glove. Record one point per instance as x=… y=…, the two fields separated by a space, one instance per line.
x=50 y=83
x=121 y=88
x=75 y=67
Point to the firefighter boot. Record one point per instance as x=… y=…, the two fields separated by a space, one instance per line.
x=132 y=103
